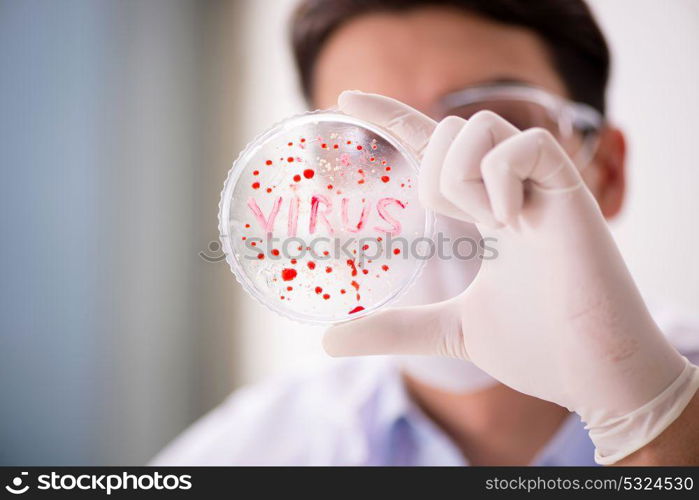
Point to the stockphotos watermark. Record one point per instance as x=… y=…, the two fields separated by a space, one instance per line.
x=325 y=248
x=105 y=483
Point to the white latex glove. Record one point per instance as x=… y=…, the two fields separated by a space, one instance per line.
x=556 y=315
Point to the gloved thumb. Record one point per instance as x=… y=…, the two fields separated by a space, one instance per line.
x=433 y=329
x=413 y=127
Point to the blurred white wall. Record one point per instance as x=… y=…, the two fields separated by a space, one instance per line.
x=654 y=96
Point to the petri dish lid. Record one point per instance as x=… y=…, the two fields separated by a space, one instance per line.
x=319 y=218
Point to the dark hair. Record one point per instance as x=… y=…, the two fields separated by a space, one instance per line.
x=576 y=45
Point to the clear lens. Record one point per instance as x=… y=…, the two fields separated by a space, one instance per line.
x=576 y=132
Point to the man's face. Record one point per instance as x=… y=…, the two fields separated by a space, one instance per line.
x=419 y=56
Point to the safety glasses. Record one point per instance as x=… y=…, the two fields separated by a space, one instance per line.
x=575 y=125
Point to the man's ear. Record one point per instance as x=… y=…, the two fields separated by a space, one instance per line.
x=610 y=163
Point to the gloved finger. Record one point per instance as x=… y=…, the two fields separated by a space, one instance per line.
x=535 y=156
x=429 y=192
x=432 y=329
x=460 y=179
x=413 y=127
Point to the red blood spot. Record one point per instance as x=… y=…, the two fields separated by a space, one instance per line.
x=247 y=225
x=356 y=310
x=281 y=297
x=365 y=247
x=318 y=289
x=293 y=261
x=308 y=173
x=290 y=159
x=328 y=269
x=260 y=256
x=402 y=185
x=256 y=172
x=244 y=238
x=360 y=181
x=379 y=238
x=253 y=243
x=383 y=162
x=330 y=186
x=324 y=146
x=326 y=296
x=384 y=267
x=303 y=139
x=297 y=178
x=360 y=171
x=268 y=162
x=311 y=265
x=275 y=252
x=288 y=274
x=359 y=147
x=358 y=297
x=349 y=142
x=342 y=291
x=269 y=190
x=350 y=263
x=396 y=251
x=372 y=159
x=365 y=271
x=289 y=288
x=335 y=146
x=256 y=185
x=385 y=178
x=388 y=169
x=355 y=285
x=290 y=144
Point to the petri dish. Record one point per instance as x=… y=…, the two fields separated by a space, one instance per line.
x=319 y=218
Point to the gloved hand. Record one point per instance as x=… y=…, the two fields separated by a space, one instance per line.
x=556 y=315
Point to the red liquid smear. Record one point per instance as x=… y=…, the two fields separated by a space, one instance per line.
x=384 y=267
x=326 y=296
x=290 y=144
x=365 y=271
x=335 y=146
x=247 y=225
x=349 y=142
x=385 y=178
x=311 y=265
x=350 y=263
x=324 y=146
x=290 y=159
x=308 y=173
x=360 y=181
x=288 y=274
x=256 y=185
x=260 y=256
x=275 y=252
x=355 y=285
x=328 y=269
x=268 y=162
x=365 y=247
x=303 y=139
x=318 y=289
x=356 y=310
x=297 y=178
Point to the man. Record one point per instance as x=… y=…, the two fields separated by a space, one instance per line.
x=553 y=329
